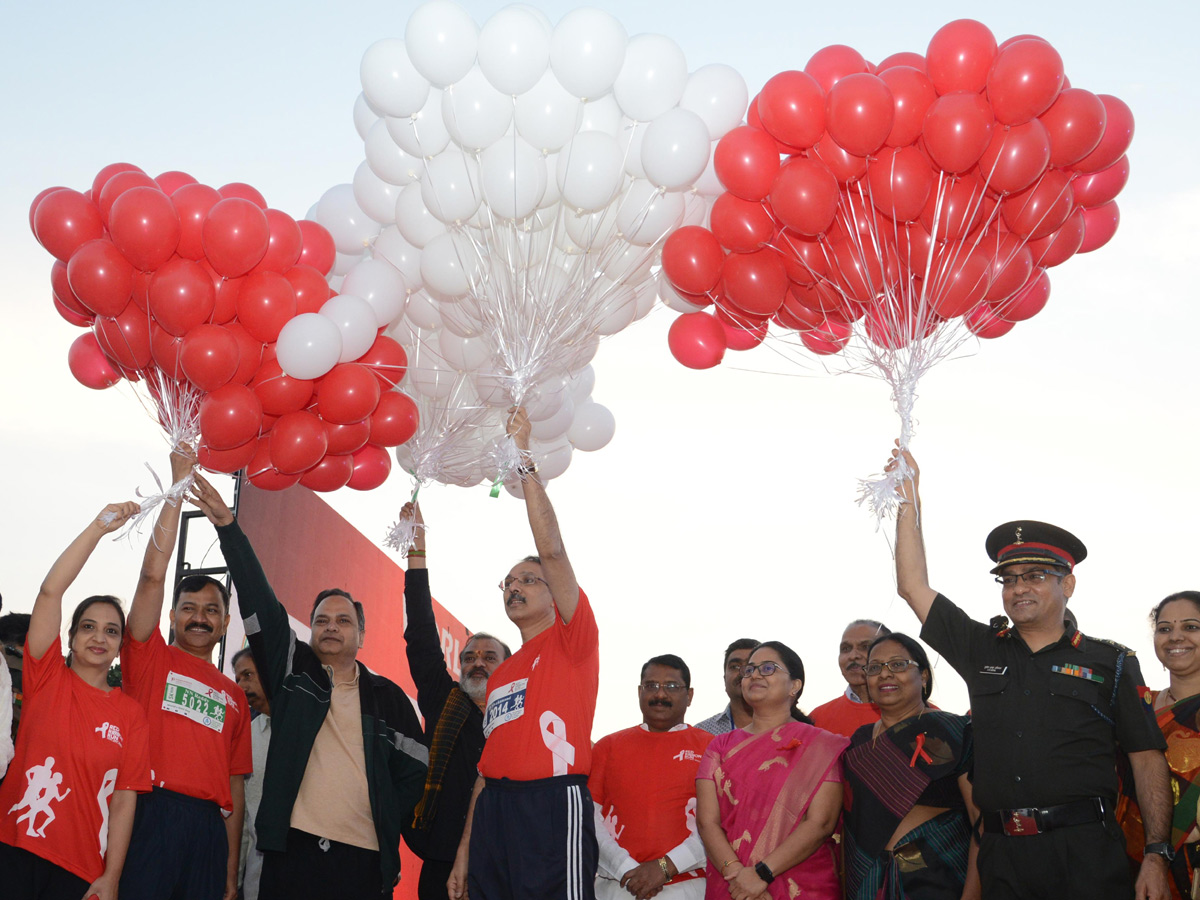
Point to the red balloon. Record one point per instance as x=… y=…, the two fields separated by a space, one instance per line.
x=387 y=359
x=279 y=392
x=297 y=442
x=243 y=191
x=229 y=416
x=957 y=129
x=1040 y=210
x=81 y=320
x=805 y=196
x=846 y=167
x=329 y=474
x=692 y=259
x=1075 y=124
x=250 y=353
x=64 y=221
x=1015 y=157
x=1027 y=302
x=166 y=350
x=740 y=225
x=283 y=251
x=64 y=297
x=746 y=161
x=312 y=290
x=318 y=249
x=859 y=272
x=42 y=195
x=263 y=474
x=1012 y=263
x=144 y=226
x=104 y=175
x=170 y=182
x=347 y=393
x=983 y=321
x=1025 y=80
x=227 y=461
x=347 y=438
x=394 y=421
x=831 y=64
x=125 y=339
x=742 y=332
x=755 y=282
x=371 y=468
x=181 y=296
x=117 y=185
x=960 y=55
x=903 y=59
x=1057 y=248
x=912 y=95
x=827 y=338
x=100 y=277
x=791 y=107
x=209 y=357
x=192 y=203
x=1099 y=225
x=141 y=289
x=796 y=315
x=697 y=340
x=1118 y=134
x=961 y=207
x=265 y=303
x=89 y=365
x=822 y=297
x=914 y=247
x=225 y=294
x=803 y=257
x=235 y=236
x=1098 y=188
x=900 y=182
x=859 y=113
x=960 y=279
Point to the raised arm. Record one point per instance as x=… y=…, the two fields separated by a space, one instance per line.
x=912 y=575
x=46 y=621
x=146 y=609
x=542 y=521
x=422 y=644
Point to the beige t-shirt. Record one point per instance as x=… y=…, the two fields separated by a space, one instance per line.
x=333 y=801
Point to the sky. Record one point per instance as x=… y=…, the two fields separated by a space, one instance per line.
x=724 y=507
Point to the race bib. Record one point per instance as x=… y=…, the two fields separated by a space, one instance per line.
x=195 y=700
x=505 y=704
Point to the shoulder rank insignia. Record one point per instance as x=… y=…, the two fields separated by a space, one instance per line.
x=999 y=626
x=1120 y=648
x=1077 y=639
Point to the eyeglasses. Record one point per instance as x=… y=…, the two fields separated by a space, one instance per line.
x=469 y=659
x=766 y=670
x=1037 y=576
x=894 y=665
x=524 y=581
x=671 y=687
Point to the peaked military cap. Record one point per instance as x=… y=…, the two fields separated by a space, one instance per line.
x=1026 y=541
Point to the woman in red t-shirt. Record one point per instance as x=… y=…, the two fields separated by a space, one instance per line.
x=82 y=753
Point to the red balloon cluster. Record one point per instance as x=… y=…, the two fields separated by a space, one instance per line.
x=186 y=288
x=900 y=195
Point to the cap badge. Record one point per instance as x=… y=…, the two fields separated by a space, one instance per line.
x=1018 y=540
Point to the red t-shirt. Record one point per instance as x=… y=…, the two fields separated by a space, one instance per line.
x=76 y=745
x=645 y=785
x=541 y=701
x=843 y=716
x=199 y=719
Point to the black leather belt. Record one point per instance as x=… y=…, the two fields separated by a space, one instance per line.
x=1038 y=820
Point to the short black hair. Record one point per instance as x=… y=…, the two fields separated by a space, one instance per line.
x=739 y=644
x=338 y=592
x=245 y=651
x=795 y=668
x=484 y=636
x=84 y=606
x=915 y=652
x=13 y=628
x=194 y=584
x=671 y=661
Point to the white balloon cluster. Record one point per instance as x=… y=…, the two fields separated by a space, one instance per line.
x=519 y=181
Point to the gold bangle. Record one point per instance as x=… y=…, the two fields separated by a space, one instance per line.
x=662 y=864
x=725 y=865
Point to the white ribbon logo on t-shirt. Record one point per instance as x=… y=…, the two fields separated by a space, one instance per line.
x=554 y=736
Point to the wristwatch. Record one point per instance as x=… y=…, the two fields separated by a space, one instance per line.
x=1163 y=849
x=763 y=871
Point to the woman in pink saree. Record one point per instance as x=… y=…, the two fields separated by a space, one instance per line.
x=769 y=795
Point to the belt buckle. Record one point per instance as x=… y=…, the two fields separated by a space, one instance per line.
x=1019 y=822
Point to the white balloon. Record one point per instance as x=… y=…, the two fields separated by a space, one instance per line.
x=431 y=379
x=423 y=134
x=547 y=397
x=514 y=178
x=391 y=83
x=343 y=263
x=355 y=319
x=308 y=346
x=475 y=113
x=593 y=428
x=631 y=137
x=708 y=183
x=386 y=158
x=492 y=386
x=441 y=38
x=652 y=78
x=555 y=426
x=629 y=264
x=552 y=195
x=675 y=149
x=592 y=230
x=718 y=94
x=422 y=312
x=546 y=114
x=671 y=298
x=463 y=354
x=375 y=196
x=647 y=293
x=335 y=282
x=696 y=208
x=589 y=170
x=513 y=487
x=587 y=50
x=364 y=116
x=450 y=265
x=585 y=352
x=552 y=458
x=377 y=282
x=416 y=223
x=351 y=227
x=645 y=214
x=601 y=115
x=581 y=384
x=403 y=256
x=450 y=187
x=615 y=307
x=462 y=318
x=514 y=50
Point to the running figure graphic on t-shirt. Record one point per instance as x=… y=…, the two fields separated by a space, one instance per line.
x=42 y=790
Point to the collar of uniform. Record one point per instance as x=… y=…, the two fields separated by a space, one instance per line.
x=680 y=727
